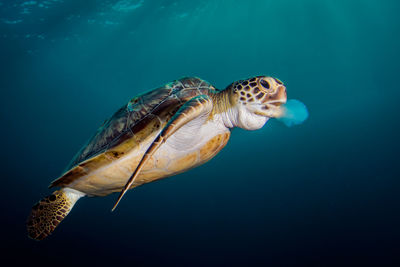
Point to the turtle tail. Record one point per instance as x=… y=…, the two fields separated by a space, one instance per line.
x=50 y=211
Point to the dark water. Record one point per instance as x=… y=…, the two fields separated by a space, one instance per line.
x=325 y=193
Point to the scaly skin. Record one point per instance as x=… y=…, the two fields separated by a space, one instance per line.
x=49 y=212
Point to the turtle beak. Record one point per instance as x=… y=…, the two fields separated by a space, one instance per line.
x=272 y=103
x=277 y=98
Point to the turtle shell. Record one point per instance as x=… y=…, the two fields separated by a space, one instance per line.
x=133 y=123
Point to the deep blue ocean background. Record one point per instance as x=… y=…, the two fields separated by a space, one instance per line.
x=325 y=193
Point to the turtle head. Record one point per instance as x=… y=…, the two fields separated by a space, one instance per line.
x=256 y=100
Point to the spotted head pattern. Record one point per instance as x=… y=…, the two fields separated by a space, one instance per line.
x=259 y=89
x=263 y=93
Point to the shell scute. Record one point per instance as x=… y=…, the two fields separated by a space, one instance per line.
x=141 y=118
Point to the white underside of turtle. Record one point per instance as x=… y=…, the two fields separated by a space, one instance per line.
x=188 y=140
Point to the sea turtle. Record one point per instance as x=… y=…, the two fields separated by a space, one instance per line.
x=158 y=134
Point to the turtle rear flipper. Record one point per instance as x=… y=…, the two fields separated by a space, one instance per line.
x=50 y=211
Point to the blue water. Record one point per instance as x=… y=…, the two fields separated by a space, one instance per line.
x=323 y=193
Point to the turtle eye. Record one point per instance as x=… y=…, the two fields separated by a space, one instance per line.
x=265 y=84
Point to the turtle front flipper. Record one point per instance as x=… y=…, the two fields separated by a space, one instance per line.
x=195 y=110
x=50 y=211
